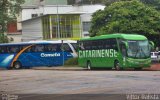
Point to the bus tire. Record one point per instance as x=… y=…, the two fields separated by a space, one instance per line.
x=17 y=65
x=117 y=66
x=88 y=65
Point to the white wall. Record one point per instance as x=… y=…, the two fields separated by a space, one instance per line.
x=27 y=13
x=19 y=25
x=32 y=29
x=62 y=9
x=85 y=10
x=16 y=37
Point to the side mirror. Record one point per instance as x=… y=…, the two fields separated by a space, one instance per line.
x=151 y=45
x=125 y=43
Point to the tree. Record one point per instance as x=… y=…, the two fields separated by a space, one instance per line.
x=153 y=3
x=9 y=9
x=3 y=38
x=126 y=17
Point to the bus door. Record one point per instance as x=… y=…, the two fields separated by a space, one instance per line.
x=123 y=50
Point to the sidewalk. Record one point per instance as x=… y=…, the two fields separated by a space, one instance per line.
x=155 y=67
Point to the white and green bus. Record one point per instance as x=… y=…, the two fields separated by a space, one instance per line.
x=116 y=51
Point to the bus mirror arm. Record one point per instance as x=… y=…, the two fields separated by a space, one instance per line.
x=151 y=45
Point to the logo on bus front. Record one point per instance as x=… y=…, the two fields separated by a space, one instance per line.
x=98 y=53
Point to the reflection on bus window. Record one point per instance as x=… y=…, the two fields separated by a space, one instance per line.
x=13 y=49
x=52 y=47
x=39 y=48
x=81 y=46
x=75 y=46
x=66 y=48
x=3 y=49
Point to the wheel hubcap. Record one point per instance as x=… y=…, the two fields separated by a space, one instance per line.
x=17 y=66
x=89 y=67
x=117 y=66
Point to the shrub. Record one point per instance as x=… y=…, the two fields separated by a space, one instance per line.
x=71 y=61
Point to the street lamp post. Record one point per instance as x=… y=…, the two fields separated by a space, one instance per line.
x=58 y=33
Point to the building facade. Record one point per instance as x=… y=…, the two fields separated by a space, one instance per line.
x=57 y=19
x=14 y=30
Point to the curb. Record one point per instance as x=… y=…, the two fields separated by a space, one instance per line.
x=60 y=68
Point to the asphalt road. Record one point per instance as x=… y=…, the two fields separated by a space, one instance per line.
x=41 y=82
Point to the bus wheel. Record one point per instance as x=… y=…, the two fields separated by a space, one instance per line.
x=88 y=65
x=17 y=65
x=117 y=65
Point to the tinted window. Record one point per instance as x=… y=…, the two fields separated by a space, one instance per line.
x=98 y=44
x=35 y=48
x=23 y=46
x=13 y=49
x=113 y=43
x=52 y=47
x=38 y=48
x=27 y=50
x=88 y=45
x=3 y=49
x=66 y=48
x=94 y=45
x=81 y=46
x=110 y=44
x=75 y=46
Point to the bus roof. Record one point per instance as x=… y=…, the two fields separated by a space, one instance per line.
x=117 y=35
x=40 y=42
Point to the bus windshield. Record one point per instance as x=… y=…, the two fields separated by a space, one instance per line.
x=138 y=49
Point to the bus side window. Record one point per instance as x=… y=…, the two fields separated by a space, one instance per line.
x=94 y=45
x=75 y=46
x=114 y=44
x=66 y=47
x=81 y=46
x=21 y=47
x=52 y=47
x=107 y=44
x=27 y=50
x=88 y=45
x=13 y=49
x=100 y=44
x=38 y=48
x=3 y=49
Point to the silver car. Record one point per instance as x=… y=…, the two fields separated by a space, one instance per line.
x=155 y=56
